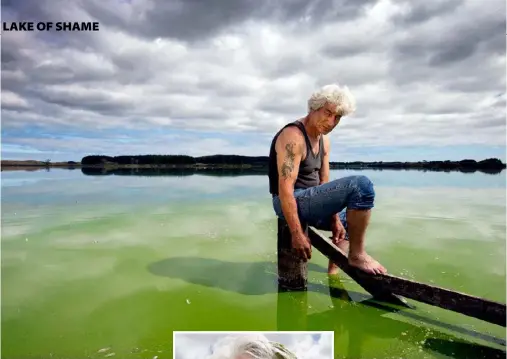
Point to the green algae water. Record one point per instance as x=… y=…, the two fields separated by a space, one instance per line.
x=109 y=266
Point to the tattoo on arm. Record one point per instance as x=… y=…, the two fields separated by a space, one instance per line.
x=288 y=163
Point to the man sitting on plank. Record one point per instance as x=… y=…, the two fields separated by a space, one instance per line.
x=299 y=181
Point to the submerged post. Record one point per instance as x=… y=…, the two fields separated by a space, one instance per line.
x=292 y=270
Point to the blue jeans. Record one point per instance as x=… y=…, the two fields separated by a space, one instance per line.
x=316 y=205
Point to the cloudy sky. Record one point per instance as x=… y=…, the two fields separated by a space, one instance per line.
x=205 y=77
x=208 y=345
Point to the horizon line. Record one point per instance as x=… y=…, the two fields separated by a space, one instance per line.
x=371 y=161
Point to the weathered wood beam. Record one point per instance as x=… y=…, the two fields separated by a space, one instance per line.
x=292 y=270
x=377 y=290
x=382 y=285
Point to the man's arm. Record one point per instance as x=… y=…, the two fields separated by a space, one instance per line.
x=289 y=149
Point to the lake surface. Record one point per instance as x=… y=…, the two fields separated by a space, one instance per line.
x=96 y=265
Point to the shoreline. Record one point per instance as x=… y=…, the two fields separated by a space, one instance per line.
x=437 y=166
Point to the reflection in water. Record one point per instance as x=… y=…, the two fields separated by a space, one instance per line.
x=180 y=172
x=97 y=171
x=80 y=244
x=407 y=178
x=122 y=180
x=362 y=321
x=353 y=316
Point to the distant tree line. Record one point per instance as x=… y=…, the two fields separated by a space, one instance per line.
x=174 y=160
x=463 y=165
x=139 y=160
x=262 y=161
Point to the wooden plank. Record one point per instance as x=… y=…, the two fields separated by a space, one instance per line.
x=293 y=271
x=484 y=309
x=377 y=290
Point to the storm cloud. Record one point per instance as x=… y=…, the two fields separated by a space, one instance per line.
x=202 y=77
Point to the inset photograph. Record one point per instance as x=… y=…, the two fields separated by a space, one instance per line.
x=253 y=345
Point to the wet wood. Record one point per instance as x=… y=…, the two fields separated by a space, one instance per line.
x=376 y=289
x=387 y=285
x=292 y=270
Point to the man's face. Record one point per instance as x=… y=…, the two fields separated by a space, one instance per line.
x=327 y=118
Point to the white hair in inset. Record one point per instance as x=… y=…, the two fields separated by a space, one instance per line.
x=333 y=94
x=251 y=346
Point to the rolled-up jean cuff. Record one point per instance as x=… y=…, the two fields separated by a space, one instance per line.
x=316 y=205
x=363 y=198
x=362 y=206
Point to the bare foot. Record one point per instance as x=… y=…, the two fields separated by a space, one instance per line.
x=366 y=263
x=344 y=246
x=332 y=269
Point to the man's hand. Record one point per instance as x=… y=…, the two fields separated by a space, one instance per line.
x=301 y=243
x=337 y=229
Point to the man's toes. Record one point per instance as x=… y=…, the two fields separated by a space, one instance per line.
x=378 y=268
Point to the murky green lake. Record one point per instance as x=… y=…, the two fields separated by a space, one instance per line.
x=99 y=265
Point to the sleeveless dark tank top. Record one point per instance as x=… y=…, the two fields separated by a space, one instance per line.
x=308 y=175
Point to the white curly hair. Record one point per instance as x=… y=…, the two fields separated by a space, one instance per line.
x=249 y=346
x=333 y=94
